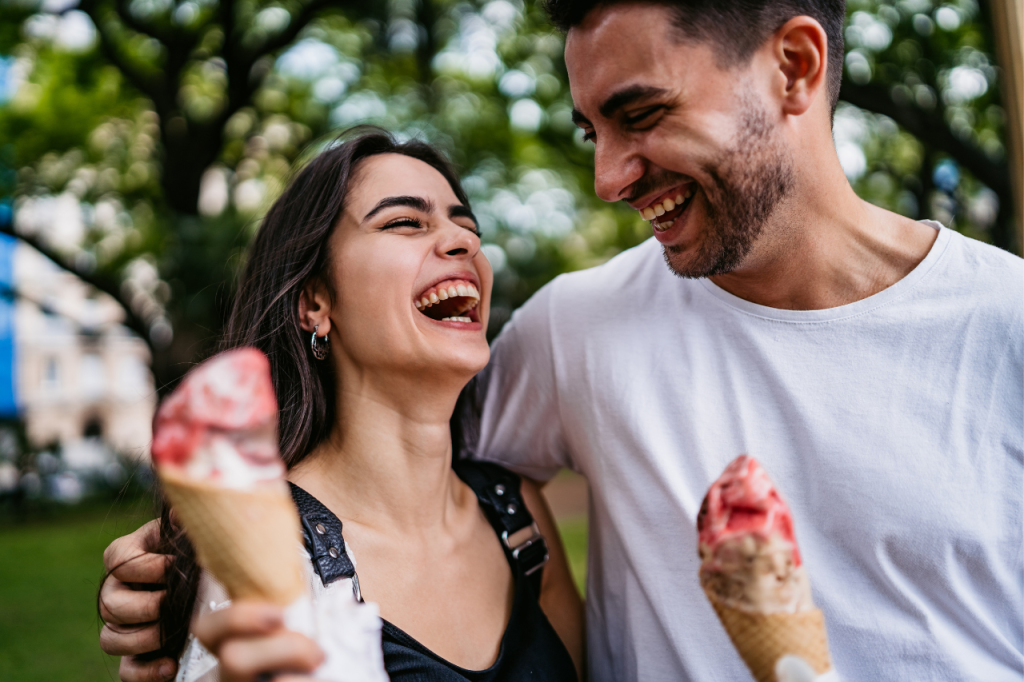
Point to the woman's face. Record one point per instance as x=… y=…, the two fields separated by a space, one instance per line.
x=412 y=288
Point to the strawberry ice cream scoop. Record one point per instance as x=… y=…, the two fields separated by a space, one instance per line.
x=220 y=425
x=749 y=556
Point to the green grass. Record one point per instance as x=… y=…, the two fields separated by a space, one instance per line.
x=49 y=574
x=574 y=535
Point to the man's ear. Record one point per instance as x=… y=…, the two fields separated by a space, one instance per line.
x=800 y=48
x=315 y=306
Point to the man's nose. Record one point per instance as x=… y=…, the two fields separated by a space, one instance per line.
x=616 y=168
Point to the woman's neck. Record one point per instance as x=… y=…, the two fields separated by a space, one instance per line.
x=387 y=462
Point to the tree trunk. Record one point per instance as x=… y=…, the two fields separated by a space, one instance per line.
x=1008 y=29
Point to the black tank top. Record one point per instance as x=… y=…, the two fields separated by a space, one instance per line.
x=530 y=647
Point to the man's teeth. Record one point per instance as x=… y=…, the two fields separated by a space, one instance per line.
x=657 y=210
x=456 y=319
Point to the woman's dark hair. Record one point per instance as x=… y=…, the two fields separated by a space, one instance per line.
x=289 y=249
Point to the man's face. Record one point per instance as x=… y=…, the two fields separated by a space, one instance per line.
x=685 y=142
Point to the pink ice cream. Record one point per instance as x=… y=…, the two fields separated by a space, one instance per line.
x=220 y=424
x=749 y=555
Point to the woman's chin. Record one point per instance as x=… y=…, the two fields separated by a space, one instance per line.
x=463 y=362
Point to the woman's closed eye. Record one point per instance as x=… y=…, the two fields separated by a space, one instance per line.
x=416 y=223
x=402 y=222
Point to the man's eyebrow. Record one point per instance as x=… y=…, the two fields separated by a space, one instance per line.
x=627 y=96
x=460 y=211
x=418 y=203
x=579 y=119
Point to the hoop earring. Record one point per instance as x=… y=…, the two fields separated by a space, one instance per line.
x=321 y=349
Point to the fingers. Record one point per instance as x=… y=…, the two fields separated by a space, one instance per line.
x=141 y=567
x=121 y=605
x=244 y=660
x=249 y=640
x=118 y=640
x=242 y=619
x=145 y=538
x=131 y=559
x=133 y=670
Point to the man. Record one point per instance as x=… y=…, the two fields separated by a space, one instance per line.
x=873 y=364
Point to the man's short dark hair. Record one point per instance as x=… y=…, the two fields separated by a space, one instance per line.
x=737 y=27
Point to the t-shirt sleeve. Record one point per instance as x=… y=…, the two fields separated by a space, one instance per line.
x=520 y=418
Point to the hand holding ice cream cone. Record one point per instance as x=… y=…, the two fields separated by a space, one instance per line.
x=216 y=453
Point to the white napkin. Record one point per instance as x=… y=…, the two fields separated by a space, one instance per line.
x=791 y=668
x=346 y=630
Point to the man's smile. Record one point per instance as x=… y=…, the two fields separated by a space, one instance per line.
x=665 y=208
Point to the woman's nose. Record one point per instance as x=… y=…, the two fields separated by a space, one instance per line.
x=456 y=241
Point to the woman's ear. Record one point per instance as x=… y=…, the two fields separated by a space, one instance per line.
x=801 y=50
x=315 y=307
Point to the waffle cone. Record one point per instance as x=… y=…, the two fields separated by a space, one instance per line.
x=763 y=638
x=249 y=540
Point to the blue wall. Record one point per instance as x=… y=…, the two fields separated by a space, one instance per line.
x=8 y=395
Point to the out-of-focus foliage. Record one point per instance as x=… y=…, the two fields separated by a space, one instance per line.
x=932 y=62
x=95 y=185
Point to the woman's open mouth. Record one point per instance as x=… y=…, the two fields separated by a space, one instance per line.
x=664 y=214
x=453 y=300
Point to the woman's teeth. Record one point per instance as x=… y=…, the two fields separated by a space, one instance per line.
x=456 y=319
x=658 y=210
x=448 y=290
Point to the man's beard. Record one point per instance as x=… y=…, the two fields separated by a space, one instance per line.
x=747 y=185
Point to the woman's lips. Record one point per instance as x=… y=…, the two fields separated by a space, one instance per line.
x=460 y=323
x=452 y=301
x=448 y=289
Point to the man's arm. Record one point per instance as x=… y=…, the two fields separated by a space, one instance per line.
x=129 y=604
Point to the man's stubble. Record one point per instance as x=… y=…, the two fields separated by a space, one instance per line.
x=747 y=185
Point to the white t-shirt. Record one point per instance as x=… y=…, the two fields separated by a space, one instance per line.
x=894 y=426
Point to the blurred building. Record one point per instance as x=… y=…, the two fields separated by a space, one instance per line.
x=69 y=370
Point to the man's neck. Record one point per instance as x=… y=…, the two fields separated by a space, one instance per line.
x=825 y=247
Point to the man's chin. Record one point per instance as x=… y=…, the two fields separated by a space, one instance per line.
x=695 y=261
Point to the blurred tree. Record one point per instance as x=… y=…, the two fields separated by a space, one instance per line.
x=149 y=135
x=930 y=70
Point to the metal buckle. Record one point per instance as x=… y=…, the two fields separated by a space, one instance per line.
x=530 y=540
x=356 y=592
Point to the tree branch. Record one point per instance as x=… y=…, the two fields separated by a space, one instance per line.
x=241 y=84
x=426 y=50
x=146 y=85
x=124 y=13
x=285 y=37
x=107 y=285
x=930 y=128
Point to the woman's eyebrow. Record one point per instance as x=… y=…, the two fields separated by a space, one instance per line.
x=460 y=211
x=418 y=203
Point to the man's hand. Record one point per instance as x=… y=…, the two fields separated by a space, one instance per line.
x=251 y=643
x=130 y=604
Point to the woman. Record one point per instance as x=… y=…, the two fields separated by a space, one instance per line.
x=371 y=261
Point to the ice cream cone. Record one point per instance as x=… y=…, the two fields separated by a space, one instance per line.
x=764 y=638
x=248 y=539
